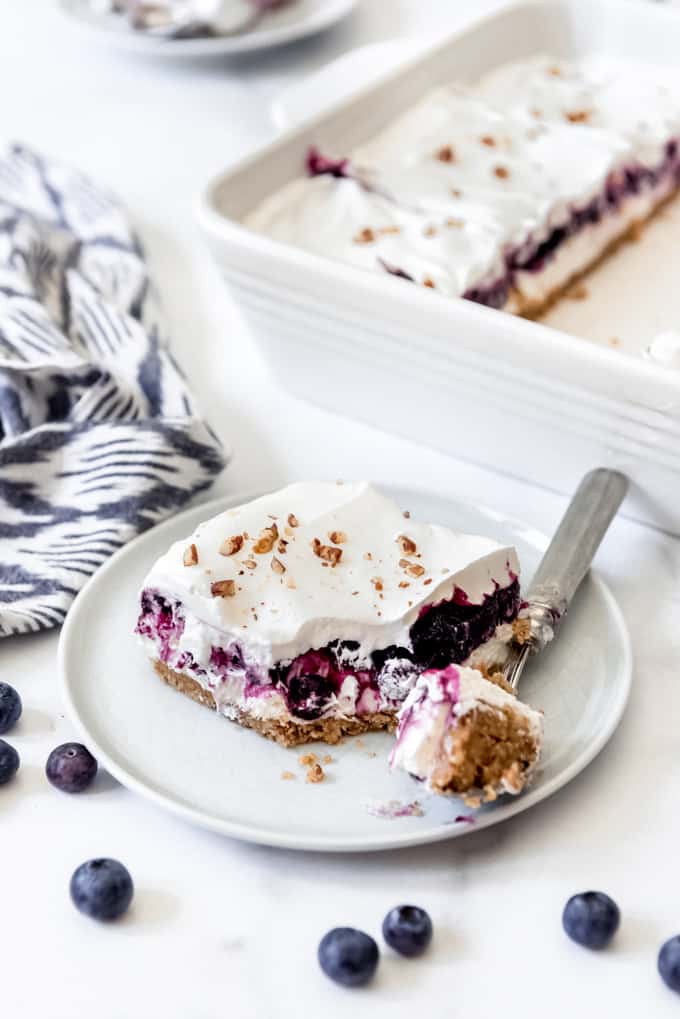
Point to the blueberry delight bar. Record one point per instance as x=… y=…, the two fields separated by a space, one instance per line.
x=461 y=733
x=503 y=192
x=311 y=612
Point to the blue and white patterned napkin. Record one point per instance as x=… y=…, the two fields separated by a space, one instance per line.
x=99 y=436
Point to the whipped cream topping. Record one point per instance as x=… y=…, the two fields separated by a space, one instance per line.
x=428 y=717
x=638 y=103
x=346 y=563
x=469 y=181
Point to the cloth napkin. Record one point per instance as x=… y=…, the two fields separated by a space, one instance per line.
x=99 y=435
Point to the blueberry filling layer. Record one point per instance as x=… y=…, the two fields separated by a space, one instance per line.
x=620 y=186
x=315 y=681
x=532 y=256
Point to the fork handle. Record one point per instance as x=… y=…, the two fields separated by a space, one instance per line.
x=572 y=550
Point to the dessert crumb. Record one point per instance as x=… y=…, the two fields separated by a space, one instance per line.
x=391 y=809
x=614 y=341
x=327 y=759
x=307 y=759
x=521 y=630
x=287 y=776
x=315 y=773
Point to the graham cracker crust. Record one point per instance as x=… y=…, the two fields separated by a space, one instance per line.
x=288 y=733
x=536 y=309
x=490 y=748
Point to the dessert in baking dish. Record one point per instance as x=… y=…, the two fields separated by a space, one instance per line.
x=502 y=193
x=311 y=612
x=462 y=733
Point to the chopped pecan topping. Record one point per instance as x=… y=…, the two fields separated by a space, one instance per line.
x=223 y=588
x=429 y=283
x=282 y=546
x=428 y=581
x=377 y=583
x=368 y=555
x=389 y=229
x=277 y=565
x=249 y=564
x=536 y=113
x=337 y=537
x=327 y=552
x=446 y=154
x=501 y=172
x=307 y=759
x=430 y=231
x=232 y=545
x=404 y=583
x=291 y=584
x=407 y=514
x=578 y=116
x=190 y=557
x=489 y=140
x=265 y=543
x=406 y=545
x=456 y=192
x=292 y=520
x=287 y=776
x=457 y=223
x=413 y=569
x=365 y=236
x=554 y=71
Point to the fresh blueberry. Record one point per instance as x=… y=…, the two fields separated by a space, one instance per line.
x=10 y=707
x=9 y=762
x=348 y=956
x=669 y=963
x=408 y=930
x=102 y=889
x=591 y=919
x=71 y=767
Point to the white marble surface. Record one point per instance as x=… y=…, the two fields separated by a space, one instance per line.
x=223 y=929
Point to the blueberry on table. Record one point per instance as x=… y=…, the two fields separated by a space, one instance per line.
x=9 y=762
x=408 y=930
x=668 y=963
x=71 y=767
x=10 y=707
x=102 y=889
x=591 y=919
x=348 y=956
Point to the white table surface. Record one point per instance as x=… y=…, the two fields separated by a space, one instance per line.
x=223 y=929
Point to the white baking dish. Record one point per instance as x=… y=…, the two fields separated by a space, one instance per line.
x=519 y=396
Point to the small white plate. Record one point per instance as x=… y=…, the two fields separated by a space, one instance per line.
x=213 y=773
x=292 y=22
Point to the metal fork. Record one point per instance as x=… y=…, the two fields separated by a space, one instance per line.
x=566 y=562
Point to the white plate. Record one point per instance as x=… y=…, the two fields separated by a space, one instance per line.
x=213 y=773
x=300 y=19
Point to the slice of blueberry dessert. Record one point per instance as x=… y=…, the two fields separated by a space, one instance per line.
x=464 y=734
x=311 y=612
x=503 y=191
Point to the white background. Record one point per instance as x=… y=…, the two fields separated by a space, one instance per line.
x=222 y=929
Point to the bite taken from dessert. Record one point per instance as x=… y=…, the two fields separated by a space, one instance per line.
x=324 y=610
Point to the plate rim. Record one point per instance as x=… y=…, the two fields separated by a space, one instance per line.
x=330 y=844
x=249 y=42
